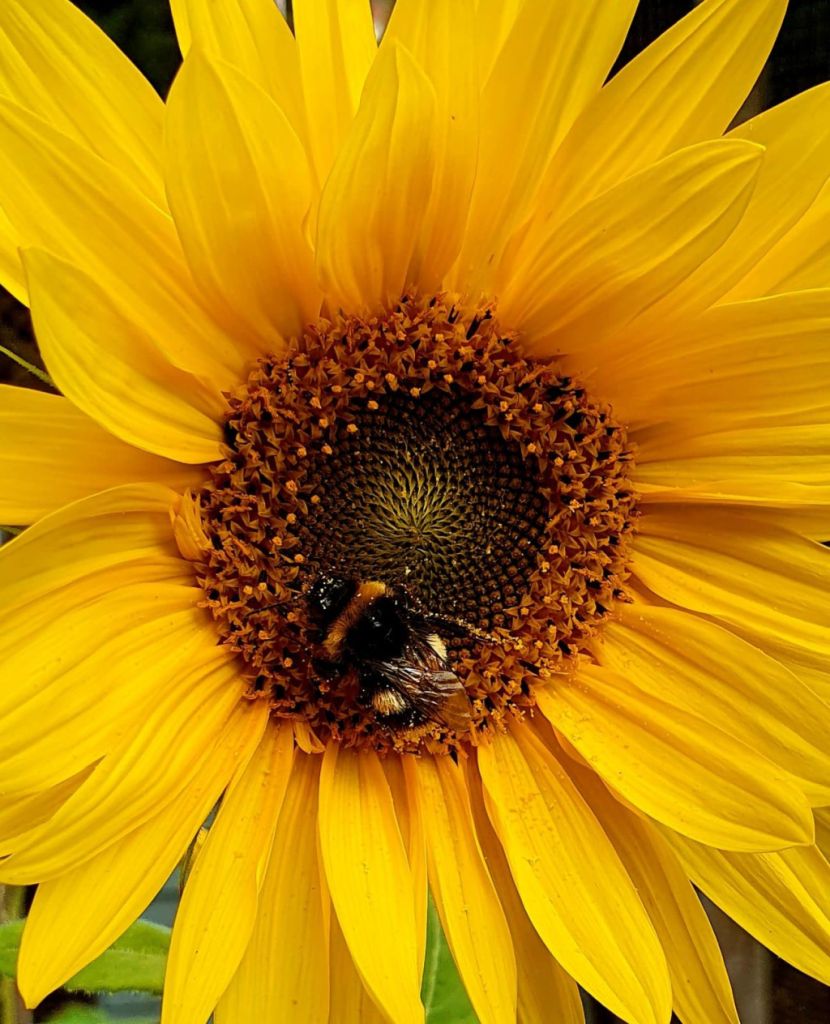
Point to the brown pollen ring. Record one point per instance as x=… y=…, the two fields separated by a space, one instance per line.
x=421 y=449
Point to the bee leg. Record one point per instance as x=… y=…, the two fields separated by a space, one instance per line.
x=370 y=684
x=365 y=696
x=327 y=670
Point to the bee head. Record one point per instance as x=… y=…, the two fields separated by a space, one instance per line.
x=328 y=596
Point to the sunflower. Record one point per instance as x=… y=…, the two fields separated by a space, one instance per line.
x=436 y=485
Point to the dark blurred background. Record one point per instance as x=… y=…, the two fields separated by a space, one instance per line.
x=801 y=58
x=767 y=990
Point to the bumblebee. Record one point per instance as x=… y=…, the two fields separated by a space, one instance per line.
x=400 y=660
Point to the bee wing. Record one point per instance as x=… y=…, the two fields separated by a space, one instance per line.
x=422 y=677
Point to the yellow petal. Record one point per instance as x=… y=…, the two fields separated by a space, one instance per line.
x=19 y=814
x=439 y=36
x=467 y=902
x=284 y=975
x=239 y=189
x=370 y=879
x=765 y=582
x=795 y=173
x=336 y=43
x=710 y=672
x=812 y=672
x=822 y=816
x=546 y=992
x=63 y=198
x=12 y=277
x=759 y=465
x=180 y=9
x=494 y=20
x=219 y=906
x=372 y=203
x=722 y=388
x=676 y=766
x=400 y=774
x=129 y=524
x=700 y=987
x=253 y=37
x=62 y=67
x=795 y=168
x=553 y=61
x=811 y=521
x=591 y=920
x=629 y=247
x=350 y=1002
x=181 y=727
x=109 y=368
x=306 y=739
x=76 y=916
x=51 y=454
x=682 y=89
x=800 y=260
x=73 y=687
x=783 y=899
x=189 y=530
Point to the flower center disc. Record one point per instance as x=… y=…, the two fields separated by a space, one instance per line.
x=425 y=495
x=422 y=451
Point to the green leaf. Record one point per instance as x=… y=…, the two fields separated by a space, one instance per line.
x=80 y=1014
x=442 y=993
x=134 y=963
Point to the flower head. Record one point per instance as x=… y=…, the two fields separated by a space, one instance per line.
x=436 y=481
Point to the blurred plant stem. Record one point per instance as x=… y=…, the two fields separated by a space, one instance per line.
x=12 y=1010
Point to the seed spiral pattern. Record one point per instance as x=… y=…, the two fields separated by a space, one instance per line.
x=424 y=495
x=424 y=449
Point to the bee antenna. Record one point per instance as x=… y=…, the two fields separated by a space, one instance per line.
x=474 y=631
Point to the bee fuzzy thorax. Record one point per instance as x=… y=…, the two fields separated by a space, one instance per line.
x=365 y=595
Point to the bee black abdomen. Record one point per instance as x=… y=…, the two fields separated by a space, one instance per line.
x=390 y=706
